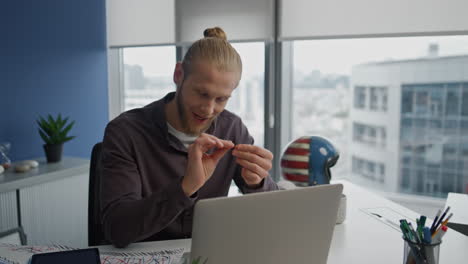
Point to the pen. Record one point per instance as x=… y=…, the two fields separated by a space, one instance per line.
x=435 y=220
x=446 y=220
x=442 y=217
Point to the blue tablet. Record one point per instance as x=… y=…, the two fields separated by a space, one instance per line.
x=79 y=256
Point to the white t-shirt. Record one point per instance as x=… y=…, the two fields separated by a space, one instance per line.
x=184 y=138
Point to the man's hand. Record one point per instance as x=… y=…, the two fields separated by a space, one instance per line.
x=201 y=165
x=255 y=162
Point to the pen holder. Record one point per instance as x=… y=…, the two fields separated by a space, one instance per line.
x=420 y=253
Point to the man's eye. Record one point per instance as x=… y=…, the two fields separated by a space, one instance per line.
x=222 y=99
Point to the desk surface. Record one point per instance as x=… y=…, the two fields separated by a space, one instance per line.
x=68 y=166
x=360 y=239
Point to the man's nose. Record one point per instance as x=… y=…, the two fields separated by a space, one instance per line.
x=208 y=108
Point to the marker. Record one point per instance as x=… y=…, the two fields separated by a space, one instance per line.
x=438 y=236
x=405 y=233
x=414 y=233
x=446 y=220
x=422 y=220
x=419 y=229
x=435 y=220
x=442 y=217
x=406 y=229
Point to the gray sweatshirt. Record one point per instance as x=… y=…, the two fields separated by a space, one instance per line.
x=143 y=166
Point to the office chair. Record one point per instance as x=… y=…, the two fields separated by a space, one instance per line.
x=95 y=230
x=14 y=236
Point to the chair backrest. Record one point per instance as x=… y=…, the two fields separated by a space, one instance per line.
x=14 y=236
x=95 y=230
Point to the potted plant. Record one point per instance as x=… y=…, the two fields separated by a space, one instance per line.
x=54 y=132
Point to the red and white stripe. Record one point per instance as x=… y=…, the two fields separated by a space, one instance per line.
x=295 y=161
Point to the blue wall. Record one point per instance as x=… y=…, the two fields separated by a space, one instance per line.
x=53 y=60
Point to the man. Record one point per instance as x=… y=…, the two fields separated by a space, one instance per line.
x=160 y=159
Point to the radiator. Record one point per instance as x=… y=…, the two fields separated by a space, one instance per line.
x=56 y=212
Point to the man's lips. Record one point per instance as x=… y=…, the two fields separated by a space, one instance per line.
x=199 y=118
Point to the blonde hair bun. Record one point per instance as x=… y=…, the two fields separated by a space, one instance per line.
x=215 y=32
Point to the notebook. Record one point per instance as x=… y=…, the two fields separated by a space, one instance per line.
x=79 y=256
x=289 y=226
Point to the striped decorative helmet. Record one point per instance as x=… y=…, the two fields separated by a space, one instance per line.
x=307 y=161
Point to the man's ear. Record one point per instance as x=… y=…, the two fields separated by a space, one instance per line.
x=178 y=74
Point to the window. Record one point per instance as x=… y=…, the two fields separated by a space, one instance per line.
x=371 y=135
x=436 y=100
x=428 y=86
x=407 y=101
x=422 y=103
x=452 y=101
x=383 y=94
x=374 y=171
x=248 y=99
x=373 y=98
x=360 y=97
x=147 y=74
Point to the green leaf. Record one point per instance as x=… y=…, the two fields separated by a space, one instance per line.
x=52 y=124
x=67 y=129
x=65 y=121
x=55 y=130
x=45 y=126
x=43 y=136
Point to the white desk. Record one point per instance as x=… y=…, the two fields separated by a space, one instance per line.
x=360 y=239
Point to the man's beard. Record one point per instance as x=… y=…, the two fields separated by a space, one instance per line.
x=184 y=119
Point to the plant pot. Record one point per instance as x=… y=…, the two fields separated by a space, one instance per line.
x=53 y=152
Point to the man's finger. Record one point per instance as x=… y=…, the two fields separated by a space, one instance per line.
x=219 y=153
x=220 y=143
x=255 y=149
x=203 y=143
x=250 y=177
x=253 y=158
x=262 y=173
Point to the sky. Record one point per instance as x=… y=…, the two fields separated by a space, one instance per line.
x=329 y=56
x=338 y=56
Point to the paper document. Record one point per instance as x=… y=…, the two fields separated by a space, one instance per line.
x=386 y=215
x=169 y=256
x=14 y=254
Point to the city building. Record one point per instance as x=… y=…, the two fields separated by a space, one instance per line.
x=409 y=125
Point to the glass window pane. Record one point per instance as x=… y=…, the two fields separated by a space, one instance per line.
x=147 y=74
x=248 y=99
x=408 y=107
x=465 y=102
x=407 y=101
x=452 y=101
x=359 y=97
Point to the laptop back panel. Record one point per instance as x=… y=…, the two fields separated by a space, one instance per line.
x=291 y=226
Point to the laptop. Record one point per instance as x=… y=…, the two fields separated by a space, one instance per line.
x=290 y=226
